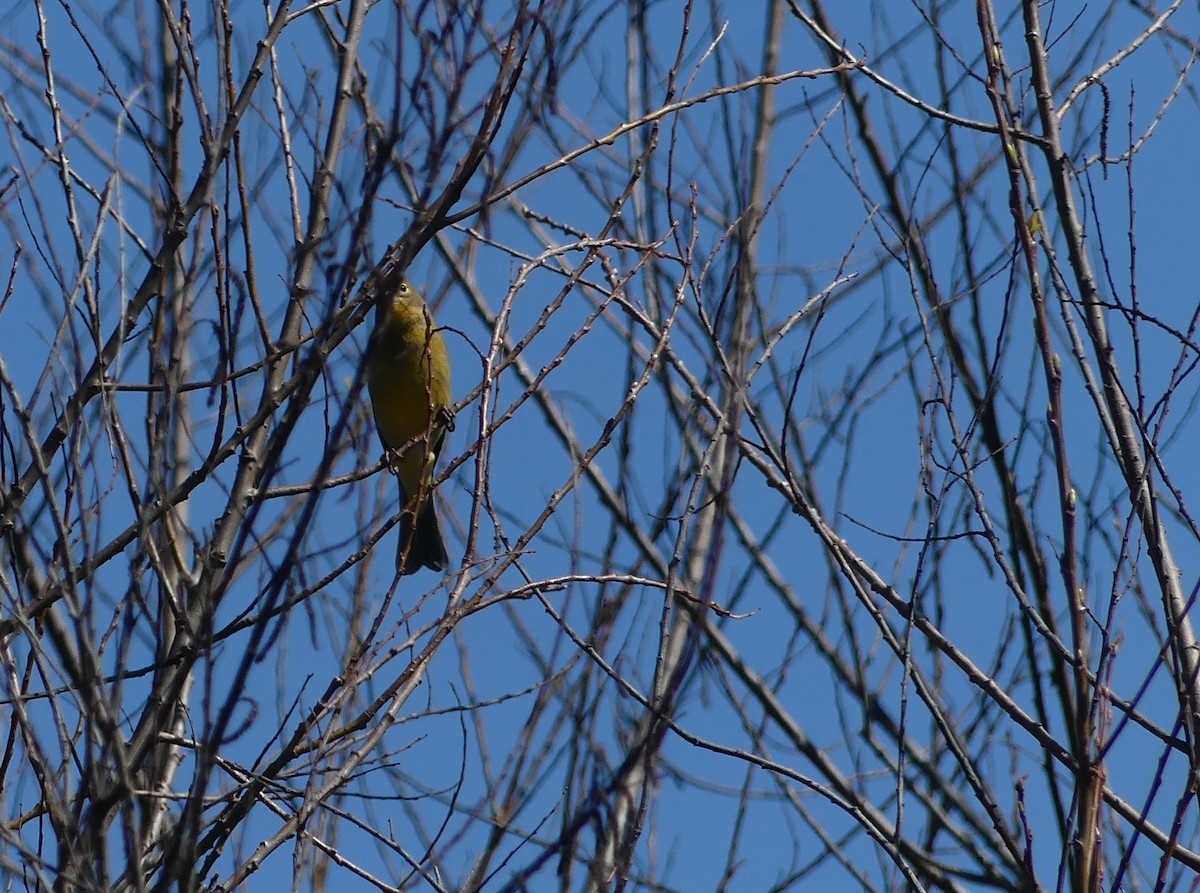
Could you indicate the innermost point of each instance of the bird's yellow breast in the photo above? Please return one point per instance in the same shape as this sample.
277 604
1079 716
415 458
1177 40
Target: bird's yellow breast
408 378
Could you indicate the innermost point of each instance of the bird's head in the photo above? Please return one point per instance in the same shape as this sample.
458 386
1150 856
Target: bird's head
406 295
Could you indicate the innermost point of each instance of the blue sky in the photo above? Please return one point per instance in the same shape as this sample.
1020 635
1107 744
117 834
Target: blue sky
865 353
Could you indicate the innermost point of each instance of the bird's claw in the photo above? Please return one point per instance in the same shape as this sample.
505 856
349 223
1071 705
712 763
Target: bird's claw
389 459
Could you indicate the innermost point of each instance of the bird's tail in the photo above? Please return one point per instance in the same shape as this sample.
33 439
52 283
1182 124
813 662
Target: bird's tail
421 544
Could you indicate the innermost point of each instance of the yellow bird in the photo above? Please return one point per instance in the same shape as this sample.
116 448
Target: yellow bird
408 378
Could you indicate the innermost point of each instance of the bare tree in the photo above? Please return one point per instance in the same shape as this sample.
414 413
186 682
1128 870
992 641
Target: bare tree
818 495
